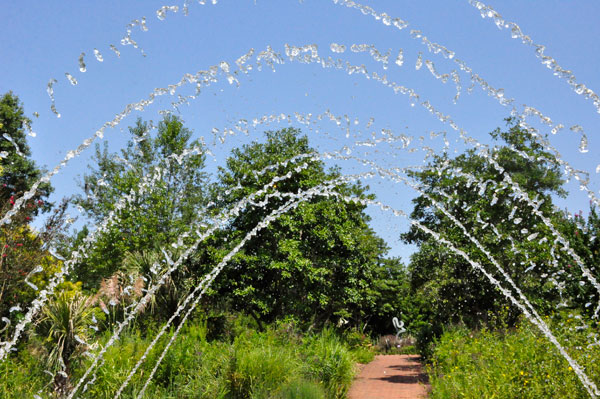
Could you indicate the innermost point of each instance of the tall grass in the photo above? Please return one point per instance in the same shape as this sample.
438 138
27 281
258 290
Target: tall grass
280 362
515 363
330 362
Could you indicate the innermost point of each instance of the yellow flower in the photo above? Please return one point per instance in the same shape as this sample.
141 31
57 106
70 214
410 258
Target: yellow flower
570 368
522 372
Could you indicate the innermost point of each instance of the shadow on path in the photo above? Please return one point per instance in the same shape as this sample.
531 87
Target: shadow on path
391 377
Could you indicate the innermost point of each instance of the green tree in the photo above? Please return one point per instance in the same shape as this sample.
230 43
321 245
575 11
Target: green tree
156 217
19 171
22 250
316 262
491 212
394 297
582 234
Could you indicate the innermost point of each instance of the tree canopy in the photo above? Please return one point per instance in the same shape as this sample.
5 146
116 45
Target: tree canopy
317 261
25 262
473 188
18 171
164 176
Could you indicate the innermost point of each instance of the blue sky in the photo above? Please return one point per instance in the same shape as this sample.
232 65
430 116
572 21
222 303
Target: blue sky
43 40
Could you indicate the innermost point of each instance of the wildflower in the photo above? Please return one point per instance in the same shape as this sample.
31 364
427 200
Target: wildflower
521 372
570 368
5 245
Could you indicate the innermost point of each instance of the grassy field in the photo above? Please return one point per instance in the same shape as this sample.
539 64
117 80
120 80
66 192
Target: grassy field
513 363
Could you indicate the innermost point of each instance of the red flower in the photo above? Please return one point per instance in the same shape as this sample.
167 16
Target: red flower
19 245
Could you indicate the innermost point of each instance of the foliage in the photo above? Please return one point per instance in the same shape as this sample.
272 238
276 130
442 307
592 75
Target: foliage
395 297
331 362
22 374
581 234
26 262
301 389
279 362
64 326
316 262
515 363
157 216
19 172
491 212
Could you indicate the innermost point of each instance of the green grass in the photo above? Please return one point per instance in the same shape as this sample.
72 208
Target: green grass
516 363
302 389
279 362
22 375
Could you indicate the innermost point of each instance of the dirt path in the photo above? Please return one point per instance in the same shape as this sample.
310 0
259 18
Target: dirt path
391 377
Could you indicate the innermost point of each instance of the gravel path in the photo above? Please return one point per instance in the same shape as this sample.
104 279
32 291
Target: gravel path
391 377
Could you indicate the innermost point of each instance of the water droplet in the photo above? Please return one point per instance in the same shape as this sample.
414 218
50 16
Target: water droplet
71 79
532 236
116 50
400 58
82 63
337 48
583 144
419 63
98 55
